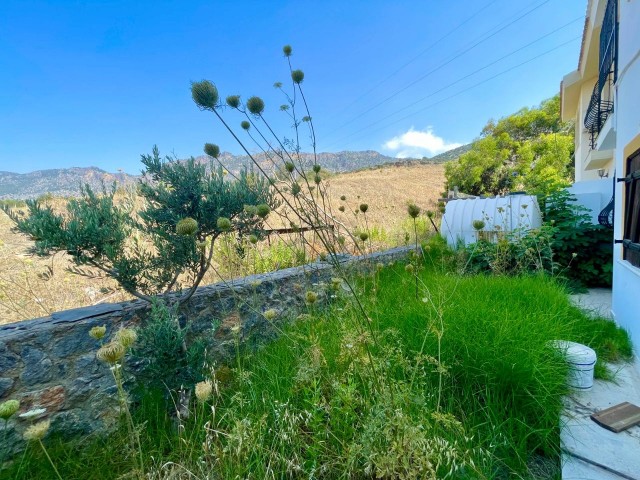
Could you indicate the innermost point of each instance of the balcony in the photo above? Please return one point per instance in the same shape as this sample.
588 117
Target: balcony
601 103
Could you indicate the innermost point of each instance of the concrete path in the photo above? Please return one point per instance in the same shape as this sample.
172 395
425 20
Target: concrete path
591 452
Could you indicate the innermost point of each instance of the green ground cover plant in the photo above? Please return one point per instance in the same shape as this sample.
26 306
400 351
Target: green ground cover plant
458 383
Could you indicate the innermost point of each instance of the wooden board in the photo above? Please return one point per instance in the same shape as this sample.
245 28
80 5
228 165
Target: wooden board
619 417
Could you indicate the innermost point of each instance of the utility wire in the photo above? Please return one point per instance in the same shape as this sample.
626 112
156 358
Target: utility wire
416 57
413 103
471 87
458 55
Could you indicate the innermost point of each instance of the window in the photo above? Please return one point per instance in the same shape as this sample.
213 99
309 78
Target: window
631 241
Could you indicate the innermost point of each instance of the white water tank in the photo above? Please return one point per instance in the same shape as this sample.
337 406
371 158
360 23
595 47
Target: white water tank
499 214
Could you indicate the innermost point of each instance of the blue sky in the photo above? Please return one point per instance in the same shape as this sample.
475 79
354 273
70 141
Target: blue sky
97 83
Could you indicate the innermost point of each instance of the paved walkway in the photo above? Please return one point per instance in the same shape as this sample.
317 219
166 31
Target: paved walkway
591 452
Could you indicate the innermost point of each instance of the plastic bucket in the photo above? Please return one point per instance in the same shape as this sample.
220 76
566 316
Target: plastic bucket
581 360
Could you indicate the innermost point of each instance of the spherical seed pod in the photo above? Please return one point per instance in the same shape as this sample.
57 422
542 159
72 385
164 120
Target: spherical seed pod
250 210
364 207
317 178
311 297
263 210
316 168
245 125
111 352
343 198
204 94
478 225
233 101
287 50
224 224
363 236
270 314
430 213
409 268
295 188
212 150
289 167
186 226
8 409
255 105
253 239
297 76
98 332
126 337
413 210
37 432
341 208
204 391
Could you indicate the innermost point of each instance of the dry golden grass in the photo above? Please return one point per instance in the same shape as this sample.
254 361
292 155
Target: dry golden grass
31 286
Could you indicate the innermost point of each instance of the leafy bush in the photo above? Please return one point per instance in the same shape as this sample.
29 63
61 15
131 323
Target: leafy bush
585 249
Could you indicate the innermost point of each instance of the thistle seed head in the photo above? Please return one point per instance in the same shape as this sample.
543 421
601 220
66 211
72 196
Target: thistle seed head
37 431
212 150
316 168
289 167
295 188
204 391
111 353
270 314
250 210
255 105
413 210
8 409
363 236
341 208
233 101
263 210
478 225
245 125
205 94
317 178
253 239
187 226
311 297
126 337
343 198
297 76
364 207
287 50
224 224
98 332
430 213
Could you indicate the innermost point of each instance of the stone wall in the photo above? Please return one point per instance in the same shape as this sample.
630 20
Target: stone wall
50 362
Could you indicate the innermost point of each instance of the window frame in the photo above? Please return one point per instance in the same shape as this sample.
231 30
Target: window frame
631 238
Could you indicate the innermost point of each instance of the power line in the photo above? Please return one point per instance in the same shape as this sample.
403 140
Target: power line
413 103
416 57
472 86
466 50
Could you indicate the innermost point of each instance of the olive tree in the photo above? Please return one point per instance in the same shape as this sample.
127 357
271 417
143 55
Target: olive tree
166 245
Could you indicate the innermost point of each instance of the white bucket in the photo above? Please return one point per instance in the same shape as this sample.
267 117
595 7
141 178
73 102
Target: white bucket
581 360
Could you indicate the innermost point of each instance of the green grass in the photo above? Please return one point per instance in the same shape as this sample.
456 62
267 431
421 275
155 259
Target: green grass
460 380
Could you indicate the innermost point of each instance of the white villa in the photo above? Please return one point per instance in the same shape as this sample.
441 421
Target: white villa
603 97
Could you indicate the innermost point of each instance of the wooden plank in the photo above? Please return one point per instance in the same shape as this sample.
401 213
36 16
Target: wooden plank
618 418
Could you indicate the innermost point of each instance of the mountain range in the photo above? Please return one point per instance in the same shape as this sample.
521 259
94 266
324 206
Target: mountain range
66 182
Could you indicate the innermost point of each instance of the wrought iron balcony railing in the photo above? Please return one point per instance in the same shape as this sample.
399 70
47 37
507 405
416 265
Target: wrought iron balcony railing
601 103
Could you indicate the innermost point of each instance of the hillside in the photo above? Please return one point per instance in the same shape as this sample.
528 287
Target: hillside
66 182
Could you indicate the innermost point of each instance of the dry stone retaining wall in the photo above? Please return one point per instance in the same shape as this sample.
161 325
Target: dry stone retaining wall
50 362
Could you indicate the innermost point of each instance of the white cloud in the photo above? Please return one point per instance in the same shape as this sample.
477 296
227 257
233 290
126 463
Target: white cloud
418 144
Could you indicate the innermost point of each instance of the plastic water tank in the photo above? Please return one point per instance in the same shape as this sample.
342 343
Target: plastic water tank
581 360
500 214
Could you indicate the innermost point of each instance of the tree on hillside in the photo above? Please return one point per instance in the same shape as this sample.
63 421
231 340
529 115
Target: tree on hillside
530 150
168 244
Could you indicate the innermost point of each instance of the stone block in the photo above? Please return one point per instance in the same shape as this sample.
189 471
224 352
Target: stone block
6 384
38 368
